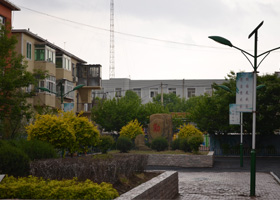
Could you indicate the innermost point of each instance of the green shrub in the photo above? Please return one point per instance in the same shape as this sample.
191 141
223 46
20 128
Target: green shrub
36 149
13 161
195 142
184 145
38 188
175 144
124 144
106 143
159 144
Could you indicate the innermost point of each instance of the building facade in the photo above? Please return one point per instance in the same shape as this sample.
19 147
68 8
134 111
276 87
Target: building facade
6 9
63 74
147 89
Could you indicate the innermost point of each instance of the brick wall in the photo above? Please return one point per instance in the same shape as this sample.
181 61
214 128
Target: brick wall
181 160
164 186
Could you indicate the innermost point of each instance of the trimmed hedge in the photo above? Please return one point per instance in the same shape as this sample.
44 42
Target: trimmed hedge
106 142
13 161
124 144
38 188
104 169
159 144
35 149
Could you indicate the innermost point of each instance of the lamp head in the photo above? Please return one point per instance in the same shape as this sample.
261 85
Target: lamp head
44 89
78 86
221 40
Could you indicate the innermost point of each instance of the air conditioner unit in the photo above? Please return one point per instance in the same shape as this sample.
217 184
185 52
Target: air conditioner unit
76 79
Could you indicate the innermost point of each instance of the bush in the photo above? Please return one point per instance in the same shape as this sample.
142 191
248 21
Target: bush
184 145
106 143
64 131
35 149
124 144
175 144
38 188
132 129
195 142
159 144
187 131
98 168
13 161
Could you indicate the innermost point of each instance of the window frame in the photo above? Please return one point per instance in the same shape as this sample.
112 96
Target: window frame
153 91
191 92
118 92
28 50
138 91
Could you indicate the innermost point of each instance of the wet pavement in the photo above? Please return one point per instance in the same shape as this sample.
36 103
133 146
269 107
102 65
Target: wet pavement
226 185
227 180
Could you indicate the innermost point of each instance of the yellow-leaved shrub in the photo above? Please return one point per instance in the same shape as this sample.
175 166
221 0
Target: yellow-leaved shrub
64 131
132 129
187 131
37 188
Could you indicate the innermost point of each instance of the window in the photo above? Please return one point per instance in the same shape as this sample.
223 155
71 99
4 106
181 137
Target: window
118 92
94 72
69 86
63 61
28 50
208 91
191 92
2 20
48 83
172 90
137 91
44 53
153 92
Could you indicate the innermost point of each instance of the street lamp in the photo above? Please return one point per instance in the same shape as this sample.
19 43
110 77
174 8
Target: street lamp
255 66
61 92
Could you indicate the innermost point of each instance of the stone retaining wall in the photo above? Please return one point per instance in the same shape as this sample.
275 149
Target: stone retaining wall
181 160
164 186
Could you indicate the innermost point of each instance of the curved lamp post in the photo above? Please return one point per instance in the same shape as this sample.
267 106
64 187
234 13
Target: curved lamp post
255 66
61 92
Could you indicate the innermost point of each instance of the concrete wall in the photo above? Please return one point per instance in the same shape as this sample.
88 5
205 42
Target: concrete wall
164 186
181 160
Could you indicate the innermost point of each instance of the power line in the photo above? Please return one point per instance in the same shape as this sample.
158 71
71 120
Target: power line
122 33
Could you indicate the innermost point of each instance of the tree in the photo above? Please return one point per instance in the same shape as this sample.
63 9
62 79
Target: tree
113 114
172 102
211 114
64 131
13 79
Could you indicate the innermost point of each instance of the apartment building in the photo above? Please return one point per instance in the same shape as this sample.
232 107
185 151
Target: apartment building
6 9
65 71
147 89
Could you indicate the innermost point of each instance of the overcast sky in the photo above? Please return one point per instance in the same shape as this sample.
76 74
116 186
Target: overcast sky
158 39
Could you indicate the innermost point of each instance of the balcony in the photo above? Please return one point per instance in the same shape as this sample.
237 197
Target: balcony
89 75
45 66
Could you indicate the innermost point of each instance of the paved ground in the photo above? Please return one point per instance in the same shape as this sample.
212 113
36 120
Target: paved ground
227 180
226 185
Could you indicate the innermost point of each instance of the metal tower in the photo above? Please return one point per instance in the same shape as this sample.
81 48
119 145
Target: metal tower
112 45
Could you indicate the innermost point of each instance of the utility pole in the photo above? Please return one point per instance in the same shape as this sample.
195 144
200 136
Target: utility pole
161 94
112 42
183 87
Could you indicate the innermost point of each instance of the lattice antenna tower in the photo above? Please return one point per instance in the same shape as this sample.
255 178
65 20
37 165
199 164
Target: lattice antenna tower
112 42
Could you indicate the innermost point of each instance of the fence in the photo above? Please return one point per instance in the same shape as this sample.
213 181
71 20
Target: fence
229 145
